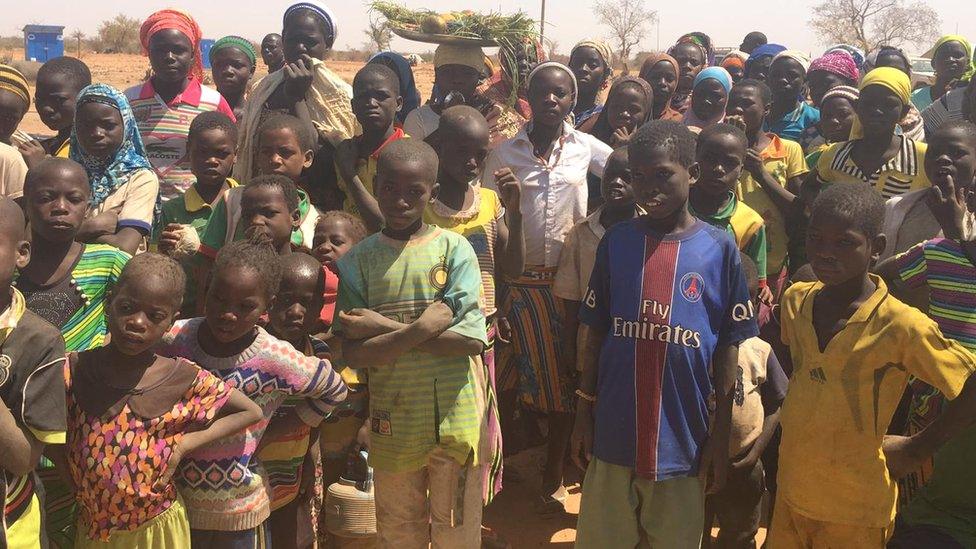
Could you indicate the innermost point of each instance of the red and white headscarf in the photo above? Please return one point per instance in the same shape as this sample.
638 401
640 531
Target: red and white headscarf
180 21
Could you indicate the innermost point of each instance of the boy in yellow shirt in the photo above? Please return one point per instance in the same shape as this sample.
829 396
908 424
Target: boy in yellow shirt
853 347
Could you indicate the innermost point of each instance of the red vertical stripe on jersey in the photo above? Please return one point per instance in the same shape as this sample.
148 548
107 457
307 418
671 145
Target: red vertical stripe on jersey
650 355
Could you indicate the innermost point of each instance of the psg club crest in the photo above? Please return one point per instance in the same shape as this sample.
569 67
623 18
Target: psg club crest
5 364
692 286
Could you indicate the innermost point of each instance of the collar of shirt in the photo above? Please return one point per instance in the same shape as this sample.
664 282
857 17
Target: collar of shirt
522 139
10 317
193 202
905 161
776 150
722 216
861 315
593 222
397 134
190 96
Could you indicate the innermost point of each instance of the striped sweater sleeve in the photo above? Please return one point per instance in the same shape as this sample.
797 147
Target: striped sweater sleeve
309 377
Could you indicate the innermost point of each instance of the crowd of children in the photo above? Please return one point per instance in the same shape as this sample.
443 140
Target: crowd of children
717 279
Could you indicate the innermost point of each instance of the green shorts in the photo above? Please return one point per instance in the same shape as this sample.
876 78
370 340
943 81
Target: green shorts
620 509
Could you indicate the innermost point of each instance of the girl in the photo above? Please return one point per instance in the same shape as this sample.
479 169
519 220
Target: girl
790 117
661 71
913 125
233 61
709 98
875 154
691 57
836 119
166 104
630 103
952 59
507 86
592 63
124 188
551 159
735 63
133 415
304 87
757 65
408 87
959 104
832 69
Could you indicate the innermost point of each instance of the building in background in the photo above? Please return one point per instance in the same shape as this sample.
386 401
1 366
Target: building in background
43 42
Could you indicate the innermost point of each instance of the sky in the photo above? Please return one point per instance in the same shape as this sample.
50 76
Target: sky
567 21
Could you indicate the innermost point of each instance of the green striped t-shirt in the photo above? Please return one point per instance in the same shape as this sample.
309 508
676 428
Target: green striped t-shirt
422 401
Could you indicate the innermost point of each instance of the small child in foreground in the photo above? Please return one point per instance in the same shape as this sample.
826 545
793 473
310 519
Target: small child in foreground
335 234
409 310
854 347
32 408
665 311
134 416
223 487
760 386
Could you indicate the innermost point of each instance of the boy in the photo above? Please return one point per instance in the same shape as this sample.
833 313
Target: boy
940 512
335 234
760 386
579 249
790 117
271 52
720 152
774 168
58 82
167 103
666 305
32 406
183 221
375 102
854 347
409 311
14 100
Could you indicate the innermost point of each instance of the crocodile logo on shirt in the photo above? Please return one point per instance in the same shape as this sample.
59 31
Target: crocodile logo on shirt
818 375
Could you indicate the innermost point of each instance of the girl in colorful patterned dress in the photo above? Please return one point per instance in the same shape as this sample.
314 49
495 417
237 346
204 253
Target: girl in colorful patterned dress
133 415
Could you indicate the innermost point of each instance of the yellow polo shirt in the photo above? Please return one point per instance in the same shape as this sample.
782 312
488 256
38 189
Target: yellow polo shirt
841 400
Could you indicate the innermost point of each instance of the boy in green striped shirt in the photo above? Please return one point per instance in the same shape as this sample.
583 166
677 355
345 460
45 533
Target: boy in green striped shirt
409 311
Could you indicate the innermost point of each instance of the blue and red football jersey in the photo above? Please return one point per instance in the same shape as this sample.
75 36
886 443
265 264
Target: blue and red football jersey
666 302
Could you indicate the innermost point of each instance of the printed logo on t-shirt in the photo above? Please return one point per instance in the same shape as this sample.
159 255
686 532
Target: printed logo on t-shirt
438 274
743 311
818 375
692 287
380 423
5 364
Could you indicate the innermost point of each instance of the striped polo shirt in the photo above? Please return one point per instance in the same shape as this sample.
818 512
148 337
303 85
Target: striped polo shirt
902 173
164 128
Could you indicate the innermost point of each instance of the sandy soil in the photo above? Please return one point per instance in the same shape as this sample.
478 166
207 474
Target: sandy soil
123 71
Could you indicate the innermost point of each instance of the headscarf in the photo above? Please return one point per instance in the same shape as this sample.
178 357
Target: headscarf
322 11
13 81
965 44
795 55
242 44
538 68
766 50
891 78
721 76
735 58
601 48
656 58
847 92
703 41
838 62
176 20
107 175
856 53
468 56
602 129
408 87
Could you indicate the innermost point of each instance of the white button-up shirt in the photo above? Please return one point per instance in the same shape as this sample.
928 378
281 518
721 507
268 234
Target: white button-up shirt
553 189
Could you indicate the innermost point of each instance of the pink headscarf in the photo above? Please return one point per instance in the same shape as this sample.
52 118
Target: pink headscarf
180 21
838 62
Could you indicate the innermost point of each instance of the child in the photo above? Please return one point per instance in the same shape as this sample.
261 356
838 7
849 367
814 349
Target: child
335 234
579 250
458 69
492 223
224 491
875 154
211 145
952 61
32 409
408 86
774 169
551 159
285 451
709 97
854 347
757 65
271 52
735 63
720 152
134 416
14 102
832 69
661 71
307 90
409 311
592 64
375 102
630 103
124 188
760 387
59 81
233 61
666 308
836 119
166 103
790 117
692 58
940 510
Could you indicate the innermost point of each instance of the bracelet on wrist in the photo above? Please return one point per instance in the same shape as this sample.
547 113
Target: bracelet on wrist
586 396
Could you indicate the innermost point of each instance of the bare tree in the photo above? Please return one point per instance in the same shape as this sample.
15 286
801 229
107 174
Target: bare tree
872 23
77 36
628 21
379 35
120 35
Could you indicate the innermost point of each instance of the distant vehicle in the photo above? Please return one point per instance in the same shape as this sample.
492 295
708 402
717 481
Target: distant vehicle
922 72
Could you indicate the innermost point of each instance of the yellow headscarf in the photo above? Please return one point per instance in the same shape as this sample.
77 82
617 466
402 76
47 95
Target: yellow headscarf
469 56
965 44
891 78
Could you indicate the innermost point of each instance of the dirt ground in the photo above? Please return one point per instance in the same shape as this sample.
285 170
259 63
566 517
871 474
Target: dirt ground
123 71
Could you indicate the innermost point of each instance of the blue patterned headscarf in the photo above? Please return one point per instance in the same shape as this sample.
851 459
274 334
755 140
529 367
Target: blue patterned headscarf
107 175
